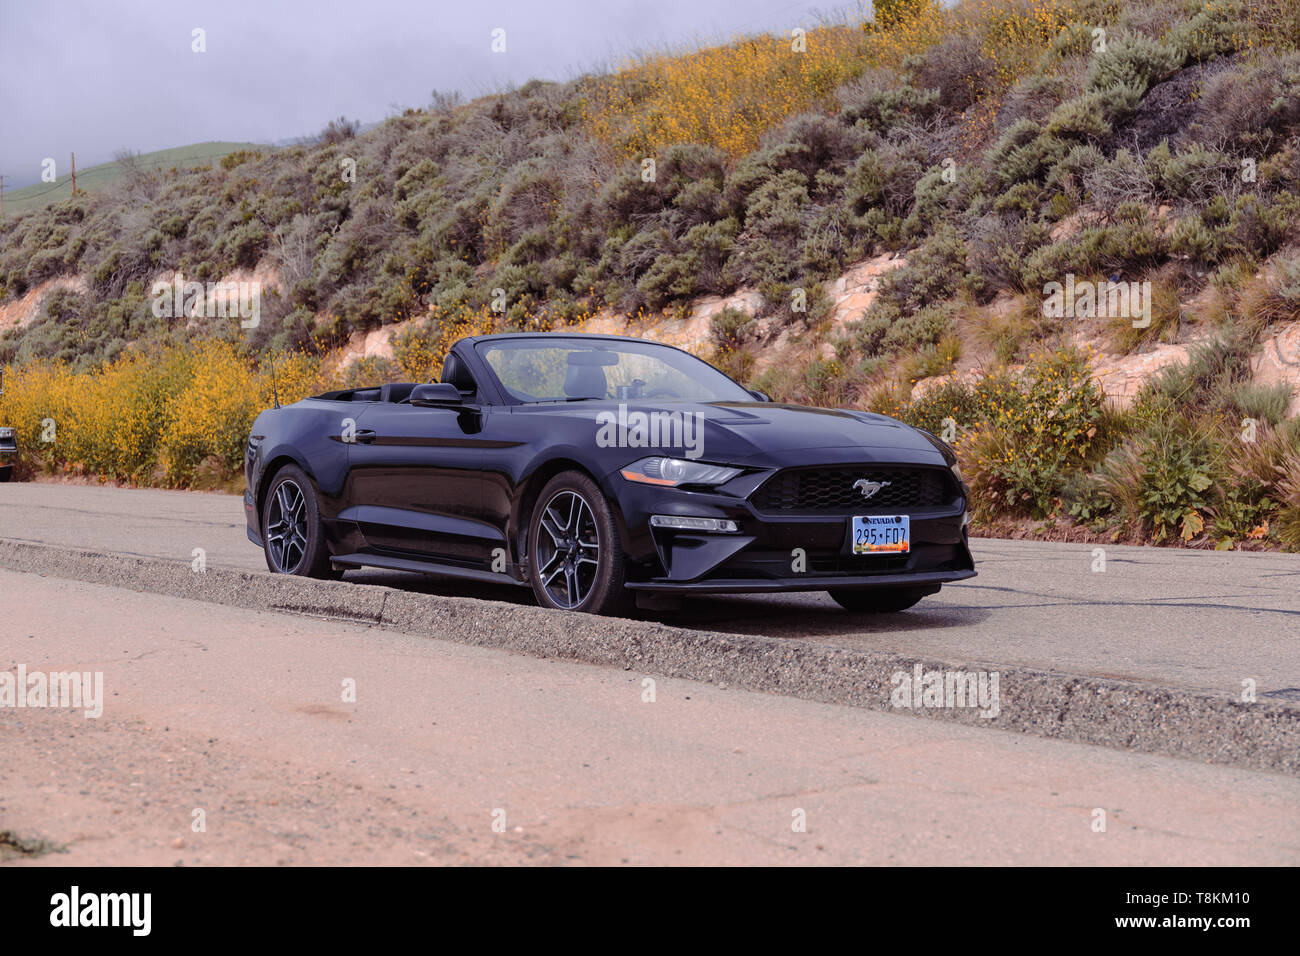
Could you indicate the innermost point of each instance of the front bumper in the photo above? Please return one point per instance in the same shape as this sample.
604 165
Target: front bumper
779 585
254 524
774 553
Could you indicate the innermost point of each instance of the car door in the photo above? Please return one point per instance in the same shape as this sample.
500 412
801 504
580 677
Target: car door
415 482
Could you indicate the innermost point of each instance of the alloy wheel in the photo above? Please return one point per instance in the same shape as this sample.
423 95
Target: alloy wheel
286 527
568 549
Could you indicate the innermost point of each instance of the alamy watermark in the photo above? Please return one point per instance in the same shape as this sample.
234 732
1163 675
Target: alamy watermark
71 689
128 910
1105 299
934 688
660 430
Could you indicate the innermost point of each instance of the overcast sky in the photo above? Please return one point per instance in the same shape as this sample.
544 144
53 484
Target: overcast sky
98 76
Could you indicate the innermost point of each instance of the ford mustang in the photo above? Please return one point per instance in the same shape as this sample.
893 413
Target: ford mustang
605 472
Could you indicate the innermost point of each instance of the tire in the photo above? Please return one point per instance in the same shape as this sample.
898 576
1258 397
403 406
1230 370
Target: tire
878 601
296 546
575 554
6 472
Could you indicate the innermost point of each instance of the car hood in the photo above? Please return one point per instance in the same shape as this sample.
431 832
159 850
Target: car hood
760 433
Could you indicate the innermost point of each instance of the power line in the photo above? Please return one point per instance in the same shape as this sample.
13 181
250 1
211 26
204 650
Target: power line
57 185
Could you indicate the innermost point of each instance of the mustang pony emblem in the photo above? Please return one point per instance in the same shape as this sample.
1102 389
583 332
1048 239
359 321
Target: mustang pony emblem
869 489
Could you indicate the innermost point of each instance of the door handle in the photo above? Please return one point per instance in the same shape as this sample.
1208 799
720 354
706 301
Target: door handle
362 436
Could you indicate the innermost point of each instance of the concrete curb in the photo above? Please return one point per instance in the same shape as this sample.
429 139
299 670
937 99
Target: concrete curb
1123 714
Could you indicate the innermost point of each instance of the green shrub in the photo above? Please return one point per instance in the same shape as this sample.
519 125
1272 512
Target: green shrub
1162 479
1024 154
917 331
1083 118
882 110
1214 30
1288 515
1132 61
937 358
933 273
1211 370
1251 108
1128 246
1023 434
1202 244
730 328
1262 403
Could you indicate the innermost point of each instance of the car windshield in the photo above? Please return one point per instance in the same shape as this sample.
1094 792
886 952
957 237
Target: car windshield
558 369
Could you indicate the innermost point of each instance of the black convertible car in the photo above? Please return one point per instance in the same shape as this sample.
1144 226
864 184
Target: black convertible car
602 470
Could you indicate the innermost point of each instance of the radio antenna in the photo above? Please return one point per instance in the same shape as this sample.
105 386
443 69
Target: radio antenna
275 391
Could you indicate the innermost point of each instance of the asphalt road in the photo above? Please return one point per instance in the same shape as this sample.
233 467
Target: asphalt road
240 714
1186 619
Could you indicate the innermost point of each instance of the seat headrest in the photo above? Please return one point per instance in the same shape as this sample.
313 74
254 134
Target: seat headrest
455 373
396 391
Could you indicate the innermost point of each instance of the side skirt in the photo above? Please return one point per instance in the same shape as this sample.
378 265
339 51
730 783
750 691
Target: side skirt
390 563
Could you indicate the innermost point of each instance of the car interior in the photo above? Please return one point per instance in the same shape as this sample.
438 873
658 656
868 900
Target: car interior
454 372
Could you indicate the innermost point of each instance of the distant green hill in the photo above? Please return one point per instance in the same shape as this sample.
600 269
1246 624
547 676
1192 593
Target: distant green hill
93 178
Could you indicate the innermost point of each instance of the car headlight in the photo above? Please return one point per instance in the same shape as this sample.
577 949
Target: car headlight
672 472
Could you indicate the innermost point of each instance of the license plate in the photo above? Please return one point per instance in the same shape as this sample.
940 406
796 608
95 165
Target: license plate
881 534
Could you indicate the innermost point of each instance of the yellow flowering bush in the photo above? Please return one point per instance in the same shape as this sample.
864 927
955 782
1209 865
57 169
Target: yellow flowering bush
730 95
726 96
152 416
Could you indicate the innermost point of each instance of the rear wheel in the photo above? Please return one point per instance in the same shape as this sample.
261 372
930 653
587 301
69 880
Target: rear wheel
878 601
575 553
293 537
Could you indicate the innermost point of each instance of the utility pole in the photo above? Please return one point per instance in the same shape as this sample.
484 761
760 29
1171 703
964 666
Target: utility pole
74 174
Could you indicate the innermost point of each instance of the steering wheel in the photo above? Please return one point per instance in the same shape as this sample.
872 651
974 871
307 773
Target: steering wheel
662 393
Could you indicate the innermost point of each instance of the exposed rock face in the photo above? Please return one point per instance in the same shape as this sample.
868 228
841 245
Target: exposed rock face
377 343
1121 377
855 291
1279 361
23 311
851 296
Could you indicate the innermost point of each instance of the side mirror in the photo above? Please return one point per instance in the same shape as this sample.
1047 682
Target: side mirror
761 396
434 396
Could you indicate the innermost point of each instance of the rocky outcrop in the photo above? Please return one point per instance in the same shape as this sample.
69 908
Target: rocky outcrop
23 311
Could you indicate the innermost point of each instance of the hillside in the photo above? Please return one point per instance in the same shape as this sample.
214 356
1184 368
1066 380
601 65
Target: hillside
881 215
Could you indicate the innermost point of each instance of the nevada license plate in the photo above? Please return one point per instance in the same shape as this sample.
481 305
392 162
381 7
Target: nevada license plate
881 534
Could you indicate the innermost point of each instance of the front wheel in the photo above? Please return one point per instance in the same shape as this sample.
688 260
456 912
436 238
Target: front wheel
575 553
293 537
878 601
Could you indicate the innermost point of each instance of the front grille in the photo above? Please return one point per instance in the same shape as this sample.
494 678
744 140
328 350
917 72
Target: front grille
820 491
